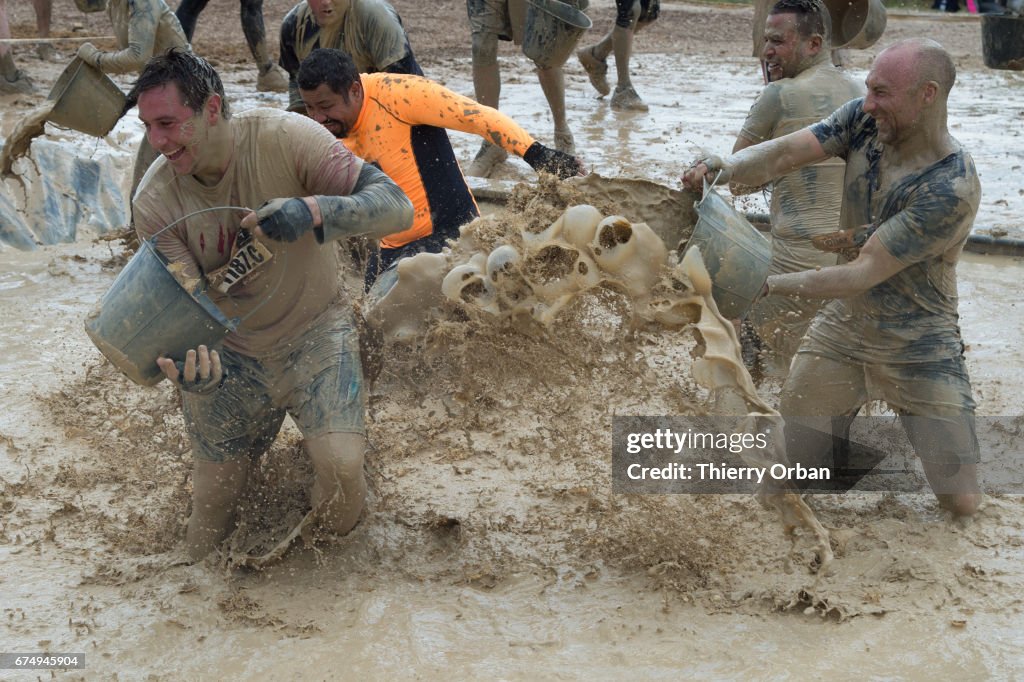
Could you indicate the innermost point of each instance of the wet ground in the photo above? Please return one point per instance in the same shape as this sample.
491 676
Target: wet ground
495 548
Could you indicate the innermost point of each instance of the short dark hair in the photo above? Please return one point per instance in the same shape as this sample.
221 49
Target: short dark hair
194 76
324 65
812 17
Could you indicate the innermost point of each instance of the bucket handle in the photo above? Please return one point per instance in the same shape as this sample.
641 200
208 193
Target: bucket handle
277 285
708 186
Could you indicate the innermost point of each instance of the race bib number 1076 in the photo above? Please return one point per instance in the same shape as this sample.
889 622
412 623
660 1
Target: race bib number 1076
247 256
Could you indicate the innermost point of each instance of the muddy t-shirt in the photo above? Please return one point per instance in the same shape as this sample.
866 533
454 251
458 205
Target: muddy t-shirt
276 154
143 28
923 221
804 203
371 33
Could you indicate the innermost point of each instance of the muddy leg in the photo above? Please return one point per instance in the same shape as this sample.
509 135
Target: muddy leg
552 82
486 72
959 493
188 13
339 486
216 487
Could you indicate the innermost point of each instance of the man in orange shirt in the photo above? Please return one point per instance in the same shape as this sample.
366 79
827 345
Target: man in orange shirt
398 122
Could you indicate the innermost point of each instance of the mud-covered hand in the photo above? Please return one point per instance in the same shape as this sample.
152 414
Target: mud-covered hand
713 168
90 54
200 373
284 220
845 242
552 161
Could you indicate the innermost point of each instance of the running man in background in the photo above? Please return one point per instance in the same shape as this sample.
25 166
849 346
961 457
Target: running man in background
399 123
489 22
369 31
269 76
630 17
295 350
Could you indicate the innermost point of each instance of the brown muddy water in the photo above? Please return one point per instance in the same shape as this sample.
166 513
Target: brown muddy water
494 548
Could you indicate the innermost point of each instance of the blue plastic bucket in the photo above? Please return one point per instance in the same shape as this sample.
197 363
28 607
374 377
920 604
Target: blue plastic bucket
148 313
736 255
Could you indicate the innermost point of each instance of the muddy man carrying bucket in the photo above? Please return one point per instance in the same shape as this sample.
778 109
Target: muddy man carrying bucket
84 99
148 313
736 255
552 30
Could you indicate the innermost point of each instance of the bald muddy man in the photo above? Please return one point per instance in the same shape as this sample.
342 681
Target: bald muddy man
890 330
805 87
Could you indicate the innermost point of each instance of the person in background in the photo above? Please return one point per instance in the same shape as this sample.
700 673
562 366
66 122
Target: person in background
13 81
804 88
269 76
630 17
44 12
369 31
399 123
143 28
489 22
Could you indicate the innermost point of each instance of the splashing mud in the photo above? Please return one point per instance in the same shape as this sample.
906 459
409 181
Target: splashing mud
31 126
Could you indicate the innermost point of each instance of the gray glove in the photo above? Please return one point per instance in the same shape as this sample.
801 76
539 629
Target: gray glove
90 54
376 208
284 220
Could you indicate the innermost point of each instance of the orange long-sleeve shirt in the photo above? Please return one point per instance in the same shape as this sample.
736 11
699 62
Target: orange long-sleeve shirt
401 128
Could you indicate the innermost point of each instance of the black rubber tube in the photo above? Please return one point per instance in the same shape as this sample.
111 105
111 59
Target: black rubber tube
976 243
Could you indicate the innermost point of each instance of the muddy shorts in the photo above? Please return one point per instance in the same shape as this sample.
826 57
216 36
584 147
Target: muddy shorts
933 400
649 11
318 381
496 17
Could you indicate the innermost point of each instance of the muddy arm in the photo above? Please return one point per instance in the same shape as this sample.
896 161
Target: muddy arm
376 208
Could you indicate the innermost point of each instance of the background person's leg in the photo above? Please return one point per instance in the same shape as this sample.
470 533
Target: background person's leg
44 11
552 82
11 79
188 13
625 97
270 77
487 86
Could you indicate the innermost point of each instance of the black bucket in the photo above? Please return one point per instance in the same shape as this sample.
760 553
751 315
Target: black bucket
1002 41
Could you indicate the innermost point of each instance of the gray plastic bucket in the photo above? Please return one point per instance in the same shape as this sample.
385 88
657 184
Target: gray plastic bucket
856 24
147 313
552 30
84 99
736 255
